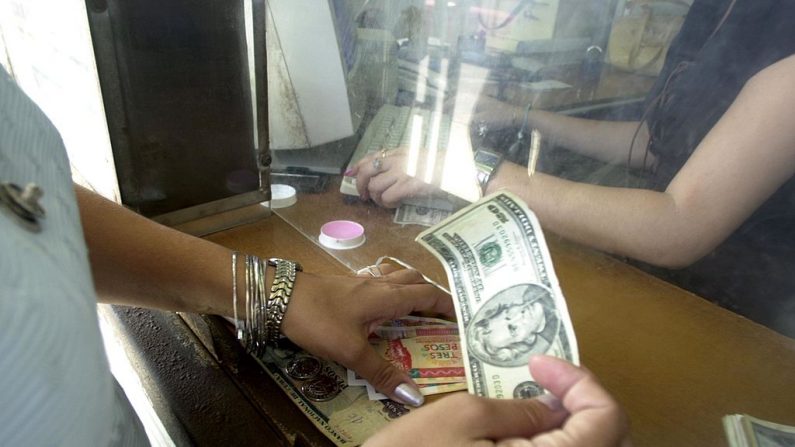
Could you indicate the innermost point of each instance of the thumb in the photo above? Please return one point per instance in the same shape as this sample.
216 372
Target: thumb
522 418
388 379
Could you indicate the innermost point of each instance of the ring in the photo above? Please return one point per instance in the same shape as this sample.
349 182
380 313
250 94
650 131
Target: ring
378 163
372 270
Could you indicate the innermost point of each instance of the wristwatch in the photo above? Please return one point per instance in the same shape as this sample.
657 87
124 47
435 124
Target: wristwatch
486 162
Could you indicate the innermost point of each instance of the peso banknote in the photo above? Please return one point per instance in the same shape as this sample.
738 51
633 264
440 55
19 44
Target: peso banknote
507 298
344 413
343 405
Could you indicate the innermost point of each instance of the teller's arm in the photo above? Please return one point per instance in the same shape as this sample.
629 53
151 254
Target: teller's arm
744 159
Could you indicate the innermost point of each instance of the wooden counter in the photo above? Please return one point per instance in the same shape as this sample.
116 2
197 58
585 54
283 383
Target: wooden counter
675 361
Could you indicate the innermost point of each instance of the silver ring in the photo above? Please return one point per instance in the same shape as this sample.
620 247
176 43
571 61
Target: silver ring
378 163
372 270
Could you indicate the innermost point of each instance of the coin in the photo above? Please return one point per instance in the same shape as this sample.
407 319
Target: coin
527 390
394 409
321 388
303 368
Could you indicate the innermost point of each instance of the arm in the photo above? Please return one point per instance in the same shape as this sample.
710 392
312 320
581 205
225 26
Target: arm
747 156
607 141
578 412
138 262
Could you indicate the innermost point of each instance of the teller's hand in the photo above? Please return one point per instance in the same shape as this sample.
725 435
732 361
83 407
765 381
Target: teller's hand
496 115
382 177
585 415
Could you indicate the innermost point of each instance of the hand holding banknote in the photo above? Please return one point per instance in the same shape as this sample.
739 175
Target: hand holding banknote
582 413
335 322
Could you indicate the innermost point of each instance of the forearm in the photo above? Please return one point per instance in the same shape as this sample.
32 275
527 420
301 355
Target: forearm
138 262
641 224
608 141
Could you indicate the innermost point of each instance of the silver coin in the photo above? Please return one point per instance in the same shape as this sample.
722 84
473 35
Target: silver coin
303 368
394 409
527 390
321 389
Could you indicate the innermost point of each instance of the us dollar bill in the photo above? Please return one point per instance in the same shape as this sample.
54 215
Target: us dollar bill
743 430
419 215
507 298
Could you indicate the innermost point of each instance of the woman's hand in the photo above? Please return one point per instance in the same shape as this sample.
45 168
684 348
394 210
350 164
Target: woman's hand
579 412
331 316
383 177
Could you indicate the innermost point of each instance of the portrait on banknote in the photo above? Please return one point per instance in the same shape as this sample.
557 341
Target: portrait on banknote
516 323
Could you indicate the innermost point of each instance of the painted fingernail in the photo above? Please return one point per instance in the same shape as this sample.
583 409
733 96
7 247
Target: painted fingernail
409 395
551 402
348 172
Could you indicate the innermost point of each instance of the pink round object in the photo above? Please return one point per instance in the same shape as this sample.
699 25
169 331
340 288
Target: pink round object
341 234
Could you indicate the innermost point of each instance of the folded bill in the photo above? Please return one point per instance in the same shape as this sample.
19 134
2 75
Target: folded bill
508 302
743 430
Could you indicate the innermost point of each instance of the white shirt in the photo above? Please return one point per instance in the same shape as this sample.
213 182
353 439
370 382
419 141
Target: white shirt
55 384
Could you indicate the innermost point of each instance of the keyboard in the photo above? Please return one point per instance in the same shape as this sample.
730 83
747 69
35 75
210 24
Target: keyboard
392 127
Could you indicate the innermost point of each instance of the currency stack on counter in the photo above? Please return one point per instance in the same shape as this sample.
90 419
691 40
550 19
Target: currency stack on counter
428 349
343 405
743 430
509 306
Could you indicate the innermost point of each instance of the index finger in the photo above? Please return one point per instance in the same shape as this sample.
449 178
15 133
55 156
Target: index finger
407 298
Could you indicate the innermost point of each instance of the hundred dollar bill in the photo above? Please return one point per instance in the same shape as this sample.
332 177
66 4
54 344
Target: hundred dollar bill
743 430
507 298
419 215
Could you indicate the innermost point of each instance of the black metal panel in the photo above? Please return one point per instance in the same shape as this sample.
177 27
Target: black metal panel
175 81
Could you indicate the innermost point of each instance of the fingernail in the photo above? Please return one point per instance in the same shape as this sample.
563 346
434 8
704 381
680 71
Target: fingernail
409 395
551 402
348 172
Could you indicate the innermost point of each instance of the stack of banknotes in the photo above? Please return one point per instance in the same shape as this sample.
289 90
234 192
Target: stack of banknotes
509 307
743 430
428 349
343 405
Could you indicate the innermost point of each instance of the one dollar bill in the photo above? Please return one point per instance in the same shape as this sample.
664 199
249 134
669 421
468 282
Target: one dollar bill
507 298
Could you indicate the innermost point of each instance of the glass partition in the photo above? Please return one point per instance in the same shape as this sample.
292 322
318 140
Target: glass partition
395 114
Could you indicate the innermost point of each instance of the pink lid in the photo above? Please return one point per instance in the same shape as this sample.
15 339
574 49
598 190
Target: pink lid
341 234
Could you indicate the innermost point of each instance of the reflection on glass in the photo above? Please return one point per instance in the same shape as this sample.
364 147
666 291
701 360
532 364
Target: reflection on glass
651 130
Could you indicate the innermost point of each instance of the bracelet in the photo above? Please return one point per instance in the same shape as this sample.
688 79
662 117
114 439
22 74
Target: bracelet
279 298
263 313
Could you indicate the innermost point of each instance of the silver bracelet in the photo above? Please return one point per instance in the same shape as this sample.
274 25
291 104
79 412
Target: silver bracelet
279 298
264 310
